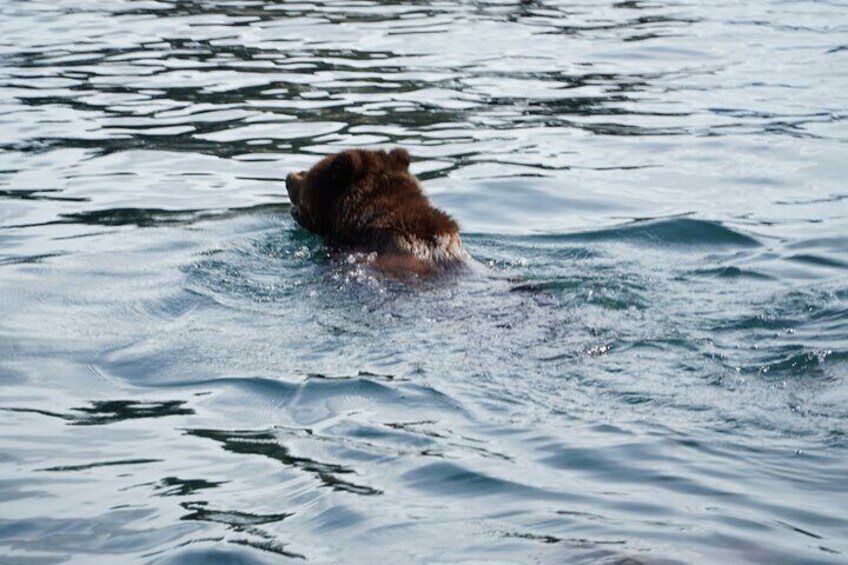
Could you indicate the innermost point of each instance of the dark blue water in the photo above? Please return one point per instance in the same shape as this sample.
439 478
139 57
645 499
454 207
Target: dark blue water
654 367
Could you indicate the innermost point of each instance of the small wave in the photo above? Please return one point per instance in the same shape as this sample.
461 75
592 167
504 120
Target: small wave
611 293
818 261
797 364
730 272
676 232
452 480
310 399
188 556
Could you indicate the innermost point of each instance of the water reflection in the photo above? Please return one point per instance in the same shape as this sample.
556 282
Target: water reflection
183 91
243 523
102 412
45 194
174 486
267 445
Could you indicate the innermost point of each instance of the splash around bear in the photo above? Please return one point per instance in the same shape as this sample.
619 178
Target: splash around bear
369 202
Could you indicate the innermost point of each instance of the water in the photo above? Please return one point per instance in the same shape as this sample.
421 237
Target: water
653 368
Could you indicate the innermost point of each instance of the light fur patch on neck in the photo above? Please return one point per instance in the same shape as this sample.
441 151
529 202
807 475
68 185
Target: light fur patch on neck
446 248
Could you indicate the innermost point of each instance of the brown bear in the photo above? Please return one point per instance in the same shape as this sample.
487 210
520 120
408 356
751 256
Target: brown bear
368 201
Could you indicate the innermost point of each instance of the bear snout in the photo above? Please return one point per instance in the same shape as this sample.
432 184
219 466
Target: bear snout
293 182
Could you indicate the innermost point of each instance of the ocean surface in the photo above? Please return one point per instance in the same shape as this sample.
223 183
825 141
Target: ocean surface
652 368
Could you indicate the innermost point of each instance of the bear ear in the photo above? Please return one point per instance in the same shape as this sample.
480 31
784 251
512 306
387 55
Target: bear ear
346 167
400 158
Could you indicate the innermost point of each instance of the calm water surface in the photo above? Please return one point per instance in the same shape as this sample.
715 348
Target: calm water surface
655 366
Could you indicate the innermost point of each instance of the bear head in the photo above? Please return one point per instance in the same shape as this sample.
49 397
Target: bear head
318 195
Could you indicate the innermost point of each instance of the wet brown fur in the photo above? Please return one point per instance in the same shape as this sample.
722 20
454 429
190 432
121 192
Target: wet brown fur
368 201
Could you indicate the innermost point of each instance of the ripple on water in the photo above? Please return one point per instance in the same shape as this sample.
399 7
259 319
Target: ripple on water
652 368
